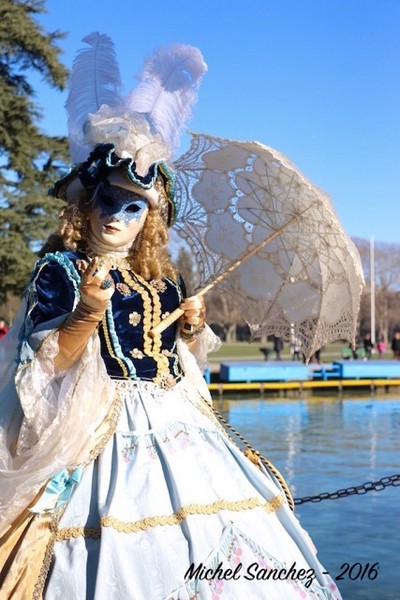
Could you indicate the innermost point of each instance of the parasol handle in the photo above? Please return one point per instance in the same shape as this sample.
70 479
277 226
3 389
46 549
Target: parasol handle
162 325
178 312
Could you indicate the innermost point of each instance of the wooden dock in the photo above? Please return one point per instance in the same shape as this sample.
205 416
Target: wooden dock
293 376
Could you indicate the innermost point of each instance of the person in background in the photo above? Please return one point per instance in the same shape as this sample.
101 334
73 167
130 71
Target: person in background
381 347
395 345
3 328
368 346
278 347
295 350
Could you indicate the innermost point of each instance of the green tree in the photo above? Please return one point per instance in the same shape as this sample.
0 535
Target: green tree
29 160
387 286
184 264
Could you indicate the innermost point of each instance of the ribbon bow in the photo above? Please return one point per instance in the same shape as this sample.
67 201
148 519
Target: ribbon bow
58 491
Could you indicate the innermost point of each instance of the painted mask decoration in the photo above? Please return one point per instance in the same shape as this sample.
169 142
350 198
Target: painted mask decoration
118 204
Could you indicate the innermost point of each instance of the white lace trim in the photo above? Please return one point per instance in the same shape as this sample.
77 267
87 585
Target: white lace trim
50 421
194 361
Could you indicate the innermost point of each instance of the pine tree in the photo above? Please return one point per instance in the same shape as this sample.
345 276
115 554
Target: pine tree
184 264
30 161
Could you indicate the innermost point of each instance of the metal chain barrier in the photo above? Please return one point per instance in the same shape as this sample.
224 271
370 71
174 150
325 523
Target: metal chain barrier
369 486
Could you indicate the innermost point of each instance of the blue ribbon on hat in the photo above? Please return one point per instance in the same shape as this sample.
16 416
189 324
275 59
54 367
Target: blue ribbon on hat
61 486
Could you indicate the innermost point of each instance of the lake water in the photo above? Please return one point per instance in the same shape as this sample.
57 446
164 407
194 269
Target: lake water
325 444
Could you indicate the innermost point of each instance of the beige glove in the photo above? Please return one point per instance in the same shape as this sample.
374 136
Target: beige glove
193 320
96 290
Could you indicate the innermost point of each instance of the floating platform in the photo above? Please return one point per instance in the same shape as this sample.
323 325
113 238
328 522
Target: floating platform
298 386
361 369
263 371
285 376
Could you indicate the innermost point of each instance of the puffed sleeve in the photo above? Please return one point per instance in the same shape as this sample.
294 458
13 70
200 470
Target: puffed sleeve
51 294
54 419
54 294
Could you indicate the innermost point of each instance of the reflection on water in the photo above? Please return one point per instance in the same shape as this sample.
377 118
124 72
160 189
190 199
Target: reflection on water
325 444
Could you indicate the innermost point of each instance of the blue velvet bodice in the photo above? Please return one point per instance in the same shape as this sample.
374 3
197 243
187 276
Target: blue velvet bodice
136 306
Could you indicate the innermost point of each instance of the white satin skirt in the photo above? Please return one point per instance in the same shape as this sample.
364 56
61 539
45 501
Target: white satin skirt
172 510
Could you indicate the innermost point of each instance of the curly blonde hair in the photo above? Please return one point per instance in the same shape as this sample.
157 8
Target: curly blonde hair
148 256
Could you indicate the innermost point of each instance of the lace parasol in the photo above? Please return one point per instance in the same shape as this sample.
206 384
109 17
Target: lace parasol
270 239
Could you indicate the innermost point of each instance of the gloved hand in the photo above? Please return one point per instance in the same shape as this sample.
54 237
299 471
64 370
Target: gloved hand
193 320
97 286
96 290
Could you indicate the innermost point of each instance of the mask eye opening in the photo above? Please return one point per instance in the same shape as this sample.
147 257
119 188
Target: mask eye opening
133 208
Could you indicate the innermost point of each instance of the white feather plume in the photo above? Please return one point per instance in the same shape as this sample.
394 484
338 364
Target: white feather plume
168 90
95 80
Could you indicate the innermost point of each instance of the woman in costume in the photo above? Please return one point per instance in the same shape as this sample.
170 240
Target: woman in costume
133 489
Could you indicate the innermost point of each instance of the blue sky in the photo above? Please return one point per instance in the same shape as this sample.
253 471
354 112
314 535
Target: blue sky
317 79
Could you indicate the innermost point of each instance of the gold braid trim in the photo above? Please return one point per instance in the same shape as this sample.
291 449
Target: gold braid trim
106 430
138 287
44 571
68 533
151 317
110 348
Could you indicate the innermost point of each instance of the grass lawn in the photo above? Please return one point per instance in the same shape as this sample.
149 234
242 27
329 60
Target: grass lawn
251 351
